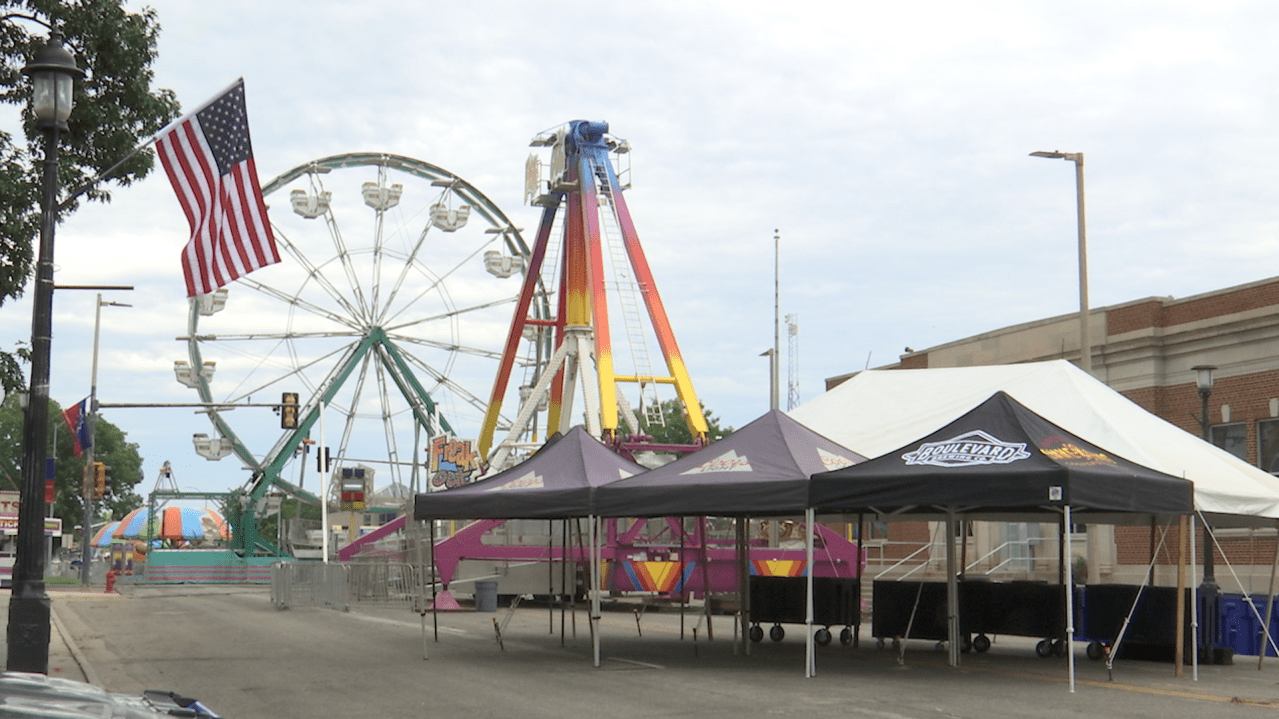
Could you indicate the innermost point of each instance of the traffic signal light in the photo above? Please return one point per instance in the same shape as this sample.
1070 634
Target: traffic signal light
99 480
289 410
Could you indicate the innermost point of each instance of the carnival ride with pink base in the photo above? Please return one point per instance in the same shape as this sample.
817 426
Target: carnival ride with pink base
585 220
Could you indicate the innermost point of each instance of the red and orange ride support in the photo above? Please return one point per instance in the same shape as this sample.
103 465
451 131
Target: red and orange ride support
584 186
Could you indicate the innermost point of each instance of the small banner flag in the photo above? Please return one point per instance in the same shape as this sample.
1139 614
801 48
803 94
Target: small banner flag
77 418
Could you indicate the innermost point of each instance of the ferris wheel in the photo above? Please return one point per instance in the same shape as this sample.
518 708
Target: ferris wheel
390 307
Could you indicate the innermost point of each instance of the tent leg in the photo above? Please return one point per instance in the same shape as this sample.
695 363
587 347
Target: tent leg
683 591
1070 603
594 524
952 589
1194 603
1179 631
1270 607
810 668
435 610
743 584
706 577
550 573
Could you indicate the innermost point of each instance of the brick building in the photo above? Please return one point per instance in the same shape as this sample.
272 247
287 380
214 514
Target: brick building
1146 349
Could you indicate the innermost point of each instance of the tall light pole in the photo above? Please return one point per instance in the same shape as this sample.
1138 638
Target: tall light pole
774 382
86 490
1208 588
53 73
1085 342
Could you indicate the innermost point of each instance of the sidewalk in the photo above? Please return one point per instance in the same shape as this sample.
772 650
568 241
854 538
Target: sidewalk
66 661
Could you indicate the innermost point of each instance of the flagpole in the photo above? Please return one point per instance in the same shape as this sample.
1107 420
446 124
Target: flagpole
98 178
105 174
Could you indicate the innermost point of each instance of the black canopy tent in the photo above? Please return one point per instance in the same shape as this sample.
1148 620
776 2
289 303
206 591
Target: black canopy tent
557 482
1001 461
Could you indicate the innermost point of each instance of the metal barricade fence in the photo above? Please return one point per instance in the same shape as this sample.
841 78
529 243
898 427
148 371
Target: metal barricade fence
309 585
387 583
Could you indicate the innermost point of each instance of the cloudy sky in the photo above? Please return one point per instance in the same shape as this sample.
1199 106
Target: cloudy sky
888 142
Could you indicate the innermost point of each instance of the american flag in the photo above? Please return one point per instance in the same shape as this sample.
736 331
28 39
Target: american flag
209 160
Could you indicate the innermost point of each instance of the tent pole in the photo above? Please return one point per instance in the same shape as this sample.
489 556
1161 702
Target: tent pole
435 610
683 593
952 589
706 575
1194 602
861 558
550 573
1070 605
810 668
1179 651
1270 605
743 582
564 552
593 523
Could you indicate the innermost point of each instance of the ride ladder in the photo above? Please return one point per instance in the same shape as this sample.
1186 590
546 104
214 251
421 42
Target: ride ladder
628 301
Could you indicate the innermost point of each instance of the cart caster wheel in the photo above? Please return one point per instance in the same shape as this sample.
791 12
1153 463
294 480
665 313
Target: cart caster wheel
1096 650
897 644
822 637
981 643
1059 648
879 642
757 633
776 633
846 637
1043 649
939 647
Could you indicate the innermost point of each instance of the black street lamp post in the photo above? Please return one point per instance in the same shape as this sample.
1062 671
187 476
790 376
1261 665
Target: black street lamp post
53 73
1208 589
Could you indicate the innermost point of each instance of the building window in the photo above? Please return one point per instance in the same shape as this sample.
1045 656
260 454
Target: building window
1268 445
1233 438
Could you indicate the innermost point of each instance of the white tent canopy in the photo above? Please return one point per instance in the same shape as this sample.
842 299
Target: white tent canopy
877 411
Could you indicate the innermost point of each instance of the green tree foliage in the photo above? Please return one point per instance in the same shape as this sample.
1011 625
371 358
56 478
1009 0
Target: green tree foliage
124 464
674 429
290 508
115 108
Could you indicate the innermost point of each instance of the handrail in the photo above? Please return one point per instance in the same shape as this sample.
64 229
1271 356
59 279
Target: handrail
902 561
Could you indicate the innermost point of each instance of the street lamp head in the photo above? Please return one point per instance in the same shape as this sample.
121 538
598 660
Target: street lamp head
1076 157
53 73
1203 378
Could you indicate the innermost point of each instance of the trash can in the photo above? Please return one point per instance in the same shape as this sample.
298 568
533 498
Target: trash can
486 596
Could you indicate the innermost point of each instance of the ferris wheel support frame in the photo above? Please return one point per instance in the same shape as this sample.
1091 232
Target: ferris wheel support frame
424 413
392 362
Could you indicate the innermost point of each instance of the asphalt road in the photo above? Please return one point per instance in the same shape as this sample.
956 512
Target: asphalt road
229 647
